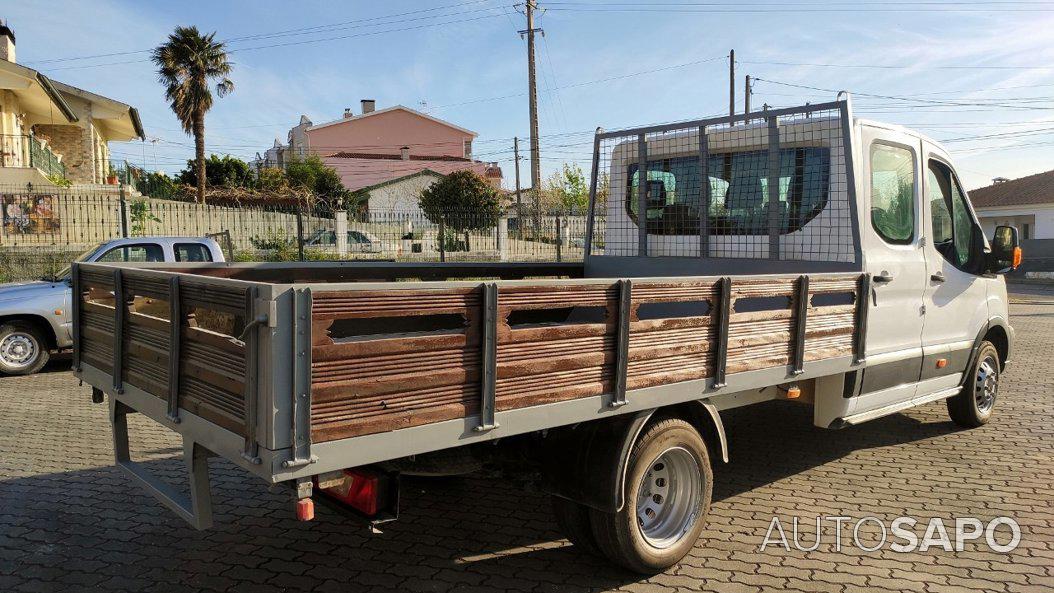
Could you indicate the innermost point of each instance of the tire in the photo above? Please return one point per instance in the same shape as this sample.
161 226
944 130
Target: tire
23 348
973 406
672 507
572 519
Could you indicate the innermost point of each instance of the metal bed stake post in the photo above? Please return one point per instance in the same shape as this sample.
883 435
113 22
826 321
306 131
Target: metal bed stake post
120 309
800 322
723 313
489 360
625 303
252 447
175 344
300 425
863 303
75 315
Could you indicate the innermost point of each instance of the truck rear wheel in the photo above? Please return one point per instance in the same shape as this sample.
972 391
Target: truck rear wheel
668 488
972 407
23 349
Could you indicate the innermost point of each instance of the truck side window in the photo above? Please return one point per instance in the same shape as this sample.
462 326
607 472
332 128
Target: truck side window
192 252
143 252
893 193
953 226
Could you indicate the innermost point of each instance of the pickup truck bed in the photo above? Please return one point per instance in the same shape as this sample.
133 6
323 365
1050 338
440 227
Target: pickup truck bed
346 366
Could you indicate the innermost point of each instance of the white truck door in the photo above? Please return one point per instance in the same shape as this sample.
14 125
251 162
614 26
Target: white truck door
890 241
956 291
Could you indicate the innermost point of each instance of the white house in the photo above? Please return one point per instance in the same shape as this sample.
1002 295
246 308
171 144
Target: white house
1026 203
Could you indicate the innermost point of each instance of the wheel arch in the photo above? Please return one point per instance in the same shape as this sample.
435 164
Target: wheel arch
38 322
587 462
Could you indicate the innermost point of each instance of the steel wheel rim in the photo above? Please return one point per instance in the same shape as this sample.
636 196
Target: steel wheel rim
987 387
668 497
18 350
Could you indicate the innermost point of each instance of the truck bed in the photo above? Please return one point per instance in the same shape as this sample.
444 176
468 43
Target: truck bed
294 369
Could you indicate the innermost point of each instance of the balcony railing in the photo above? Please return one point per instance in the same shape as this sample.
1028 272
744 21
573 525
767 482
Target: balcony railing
22 150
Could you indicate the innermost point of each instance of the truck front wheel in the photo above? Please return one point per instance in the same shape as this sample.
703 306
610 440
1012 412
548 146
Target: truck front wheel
668 488
972 407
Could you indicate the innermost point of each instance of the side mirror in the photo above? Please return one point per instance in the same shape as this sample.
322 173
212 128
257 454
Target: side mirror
1006 250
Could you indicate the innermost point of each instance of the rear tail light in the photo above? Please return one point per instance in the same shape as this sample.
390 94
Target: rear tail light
362 489
1018 256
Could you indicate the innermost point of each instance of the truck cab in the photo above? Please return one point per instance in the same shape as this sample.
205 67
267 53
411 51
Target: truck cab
35 316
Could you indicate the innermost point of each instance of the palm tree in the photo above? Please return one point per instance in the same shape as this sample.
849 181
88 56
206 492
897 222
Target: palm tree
186 65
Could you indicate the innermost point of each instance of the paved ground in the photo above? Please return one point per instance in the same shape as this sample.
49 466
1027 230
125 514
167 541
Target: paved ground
69 521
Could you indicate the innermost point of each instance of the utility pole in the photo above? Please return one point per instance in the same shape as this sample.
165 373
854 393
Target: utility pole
532 92
519 203
748 90
732 83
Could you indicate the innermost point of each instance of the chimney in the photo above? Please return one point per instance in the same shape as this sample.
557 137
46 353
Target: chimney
7 42
348 113
368 105
404 152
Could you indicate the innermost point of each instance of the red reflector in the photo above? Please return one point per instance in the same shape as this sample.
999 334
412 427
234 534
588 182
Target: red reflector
305 509
359 488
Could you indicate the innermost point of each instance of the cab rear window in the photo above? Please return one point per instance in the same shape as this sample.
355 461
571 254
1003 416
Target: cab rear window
739 193
192 252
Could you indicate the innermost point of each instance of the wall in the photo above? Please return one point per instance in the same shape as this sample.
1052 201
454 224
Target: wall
386 133
402 195
1041 217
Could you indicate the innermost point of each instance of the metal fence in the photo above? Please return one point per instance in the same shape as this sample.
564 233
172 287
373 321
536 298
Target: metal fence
43 230
769 185
22 150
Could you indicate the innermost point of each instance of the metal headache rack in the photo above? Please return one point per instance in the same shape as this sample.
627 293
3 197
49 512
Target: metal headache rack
771 186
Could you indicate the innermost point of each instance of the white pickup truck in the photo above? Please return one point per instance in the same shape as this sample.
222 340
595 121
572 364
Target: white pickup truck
35 316
796 254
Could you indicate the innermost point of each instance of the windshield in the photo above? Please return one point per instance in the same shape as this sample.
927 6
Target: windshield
68 270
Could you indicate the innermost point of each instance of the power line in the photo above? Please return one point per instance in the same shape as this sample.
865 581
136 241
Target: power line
305 42
281 33
914 100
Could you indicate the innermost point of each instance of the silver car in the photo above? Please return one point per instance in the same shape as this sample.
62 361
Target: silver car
35 316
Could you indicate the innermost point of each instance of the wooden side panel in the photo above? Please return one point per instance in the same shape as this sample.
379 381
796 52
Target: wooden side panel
211 365
363 382
554 342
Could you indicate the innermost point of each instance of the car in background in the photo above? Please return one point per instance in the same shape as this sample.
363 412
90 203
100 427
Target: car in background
35 317
358 241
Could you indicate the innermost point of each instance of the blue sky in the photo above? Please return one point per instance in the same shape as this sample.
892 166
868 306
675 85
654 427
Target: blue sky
967 68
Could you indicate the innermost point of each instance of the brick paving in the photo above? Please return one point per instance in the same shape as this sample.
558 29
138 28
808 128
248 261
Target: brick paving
69 521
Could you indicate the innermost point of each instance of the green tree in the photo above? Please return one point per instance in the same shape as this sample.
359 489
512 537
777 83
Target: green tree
312 175
141 216
568 189
463 201
187 64
226 171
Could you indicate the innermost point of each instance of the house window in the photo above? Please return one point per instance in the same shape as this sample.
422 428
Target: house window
1026 231
468 149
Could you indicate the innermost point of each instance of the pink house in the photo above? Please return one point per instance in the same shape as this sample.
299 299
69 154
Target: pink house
379 146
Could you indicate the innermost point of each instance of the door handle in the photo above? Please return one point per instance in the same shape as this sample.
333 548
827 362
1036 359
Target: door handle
883 278
937 277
